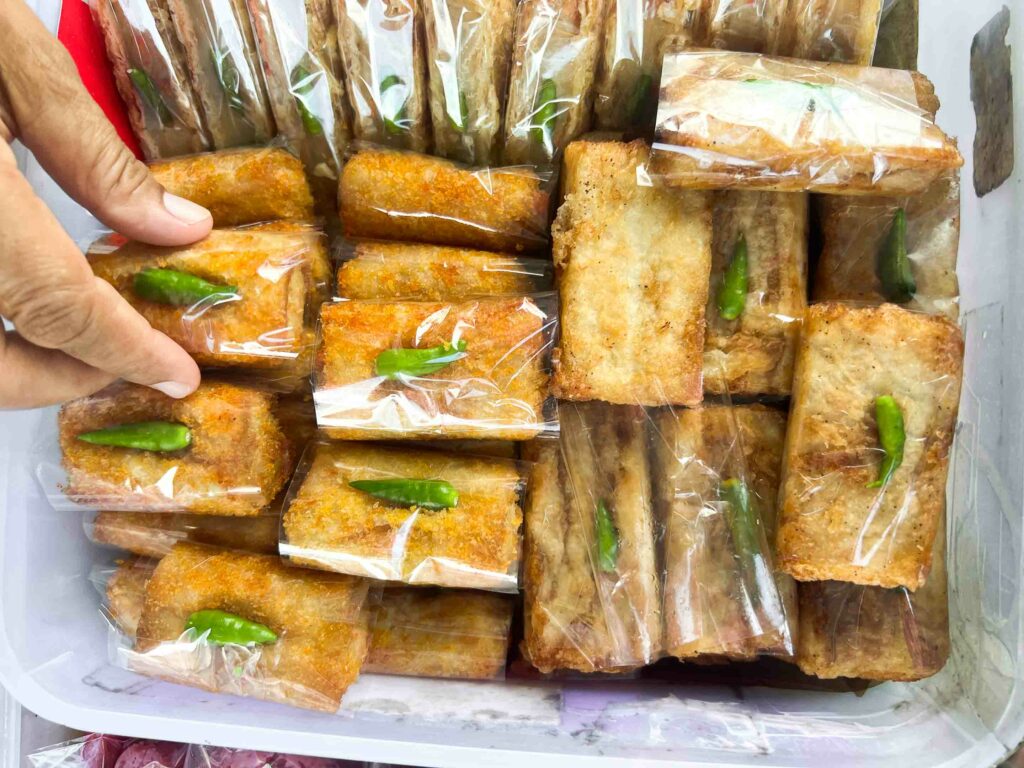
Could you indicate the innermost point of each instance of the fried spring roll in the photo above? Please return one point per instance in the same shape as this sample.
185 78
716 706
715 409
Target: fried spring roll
634 263
404 196
744 120
236 461
831 30
742 25
125 593
320 622
591 586
240 186
474 543
845 516
153 534
752 353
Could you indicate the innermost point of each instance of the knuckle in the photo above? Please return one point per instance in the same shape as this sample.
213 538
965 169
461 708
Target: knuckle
115 171
55 317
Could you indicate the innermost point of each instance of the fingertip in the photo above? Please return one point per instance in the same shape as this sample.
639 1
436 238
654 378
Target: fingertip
174 221
181 375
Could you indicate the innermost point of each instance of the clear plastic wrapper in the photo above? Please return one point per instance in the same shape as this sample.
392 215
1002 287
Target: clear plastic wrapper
202 756
404 196
101 751
153 534
123 589
746 120
469 44
716 475
875 397
753 26
831 30
590 580
898 249
419 369
409 515
633 264
240 186
150 74
382 50
758 292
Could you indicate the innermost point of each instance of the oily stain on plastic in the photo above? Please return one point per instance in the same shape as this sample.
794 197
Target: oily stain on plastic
992 95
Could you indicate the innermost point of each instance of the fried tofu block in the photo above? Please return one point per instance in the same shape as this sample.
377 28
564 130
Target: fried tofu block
330 525
240 186
497 389
237 462
633 264
753 354
456 634
745 120
833 526
740 25
831 30
382 270
404 196
153 534
717 605
321 622
126 593
583 612
855 230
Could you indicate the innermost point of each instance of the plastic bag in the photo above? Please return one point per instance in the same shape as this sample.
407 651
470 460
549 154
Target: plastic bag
303 636
385 66
875 397
417 369
633 264
716 476
551 84
202 756
153 534
903 250
590 580
831 30
744 120
418 516
150 74
123 589
758 292
469 44
753 26
405 196
100 751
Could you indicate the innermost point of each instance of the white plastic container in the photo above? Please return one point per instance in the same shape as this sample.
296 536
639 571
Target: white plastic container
53 643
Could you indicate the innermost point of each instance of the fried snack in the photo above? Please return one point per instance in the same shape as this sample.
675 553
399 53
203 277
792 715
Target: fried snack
741 25
381 44
590 604
495 388
382 270
633 266
744 120
753 354
153 534
240 186
331 525
320 621
126 593
404 196
831 30
237 462
469 43
440 633
833 525
718 603
855 232
150 75
499 449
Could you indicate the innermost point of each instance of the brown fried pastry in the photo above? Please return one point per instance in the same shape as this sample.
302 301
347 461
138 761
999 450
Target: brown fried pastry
153 534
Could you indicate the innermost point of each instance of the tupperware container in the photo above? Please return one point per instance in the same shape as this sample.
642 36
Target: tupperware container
53 641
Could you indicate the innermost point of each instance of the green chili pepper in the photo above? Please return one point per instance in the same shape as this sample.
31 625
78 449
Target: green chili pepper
302 85
545 111
732 293
638 99
398 122
227 628
894 272
151 94
229 77
460 124
429 494
742 521
607 538
418 362
891 436
160 436
168 286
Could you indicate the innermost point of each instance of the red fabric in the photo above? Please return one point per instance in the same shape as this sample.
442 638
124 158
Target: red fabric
83 39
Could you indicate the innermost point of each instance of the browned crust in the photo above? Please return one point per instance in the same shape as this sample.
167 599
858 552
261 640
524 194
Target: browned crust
126 594
152 534
830 30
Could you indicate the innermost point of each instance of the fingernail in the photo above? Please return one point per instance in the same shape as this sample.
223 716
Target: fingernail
184 210
174 389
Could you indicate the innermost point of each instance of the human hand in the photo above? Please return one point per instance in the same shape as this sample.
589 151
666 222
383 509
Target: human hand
74 333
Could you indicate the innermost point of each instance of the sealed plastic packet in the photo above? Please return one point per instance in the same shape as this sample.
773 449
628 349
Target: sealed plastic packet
150 74
754 26
469 44
123 589
716 474
833 30
897 249
874 405
381 43
153 534
406 515
394 195
750 121
633 265
102 751
590 579
758 292
551 83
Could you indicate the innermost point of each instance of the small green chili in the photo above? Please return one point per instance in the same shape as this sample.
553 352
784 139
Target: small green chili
894 272
742 521
302 81
732 293
151 95
227 628
229 77
429 494
639 97
397 122
169 286
463 116
545 112
159 436
891 437
607 538
418 362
